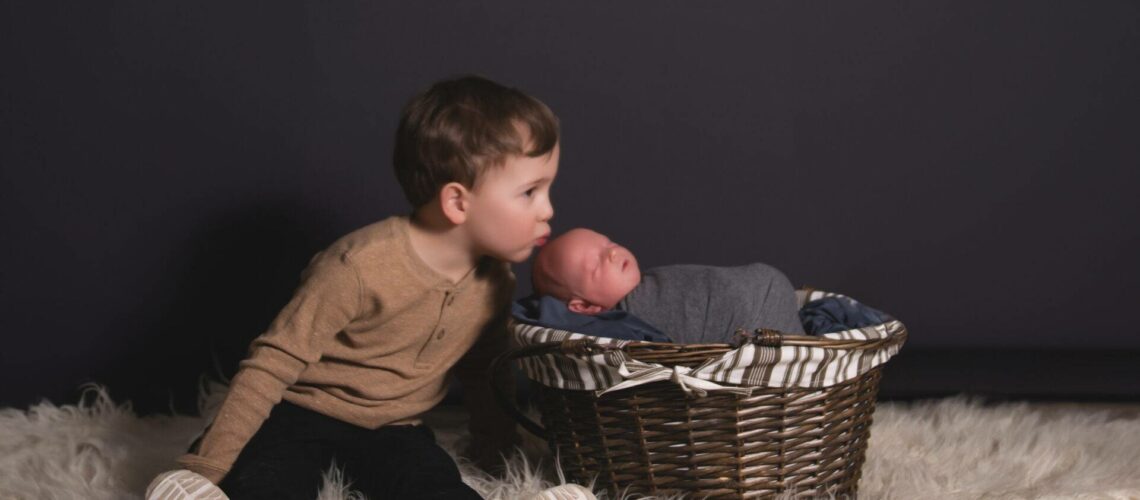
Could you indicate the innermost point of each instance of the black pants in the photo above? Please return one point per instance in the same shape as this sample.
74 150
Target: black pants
286 457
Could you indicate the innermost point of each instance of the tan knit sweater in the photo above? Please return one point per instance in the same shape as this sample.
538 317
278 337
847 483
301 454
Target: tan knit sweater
368 338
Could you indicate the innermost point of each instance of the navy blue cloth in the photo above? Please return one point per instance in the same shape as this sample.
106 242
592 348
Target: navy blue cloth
550 312
835 314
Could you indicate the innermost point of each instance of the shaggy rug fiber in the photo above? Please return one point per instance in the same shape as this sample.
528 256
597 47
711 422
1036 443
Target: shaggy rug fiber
954 448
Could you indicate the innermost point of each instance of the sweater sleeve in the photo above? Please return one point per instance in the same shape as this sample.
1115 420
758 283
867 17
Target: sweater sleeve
325 302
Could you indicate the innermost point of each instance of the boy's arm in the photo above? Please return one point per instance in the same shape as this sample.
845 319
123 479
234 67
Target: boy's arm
325 302
493 431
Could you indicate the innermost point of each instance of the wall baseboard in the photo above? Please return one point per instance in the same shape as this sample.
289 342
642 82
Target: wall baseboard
1078 375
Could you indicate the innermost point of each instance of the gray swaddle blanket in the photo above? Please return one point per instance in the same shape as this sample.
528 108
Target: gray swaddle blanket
696 304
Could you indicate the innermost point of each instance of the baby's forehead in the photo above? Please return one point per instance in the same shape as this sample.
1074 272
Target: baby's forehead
576 244
585 237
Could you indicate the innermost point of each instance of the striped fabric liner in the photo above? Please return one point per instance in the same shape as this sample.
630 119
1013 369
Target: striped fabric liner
750 365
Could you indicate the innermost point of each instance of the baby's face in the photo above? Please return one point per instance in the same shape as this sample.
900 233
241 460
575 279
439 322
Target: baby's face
595 269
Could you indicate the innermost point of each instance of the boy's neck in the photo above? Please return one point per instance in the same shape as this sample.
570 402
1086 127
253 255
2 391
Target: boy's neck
442 246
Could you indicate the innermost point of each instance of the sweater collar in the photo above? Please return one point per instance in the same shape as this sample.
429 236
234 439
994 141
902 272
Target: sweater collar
421 270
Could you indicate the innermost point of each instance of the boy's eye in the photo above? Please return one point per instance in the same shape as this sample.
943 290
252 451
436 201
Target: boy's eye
530 192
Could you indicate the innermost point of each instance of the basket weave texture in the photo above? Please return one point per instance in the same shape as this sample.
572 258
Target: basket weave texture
662 438
653 439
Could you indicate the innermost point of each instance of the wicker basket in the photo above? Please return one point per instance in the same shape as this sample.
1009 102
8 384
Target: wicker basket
659 438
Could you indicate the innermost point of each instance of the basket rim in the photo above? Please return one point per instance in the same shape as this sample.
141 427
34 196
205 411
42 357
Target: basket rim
761 337
571 360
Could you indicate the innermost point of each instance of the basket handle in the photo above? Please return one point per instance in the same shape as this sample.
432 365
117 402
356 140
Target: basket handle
762 337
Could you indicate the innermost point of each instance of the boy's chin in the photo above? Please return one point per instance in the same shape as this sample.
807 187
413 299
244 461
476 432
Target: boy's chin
519 257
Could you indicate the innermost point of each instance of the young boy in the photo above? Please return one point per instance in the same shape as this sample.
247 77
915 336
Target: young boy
383 314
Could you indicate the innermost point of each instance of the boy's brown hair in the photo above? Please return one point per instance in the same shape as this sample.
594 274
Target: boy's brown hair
457 129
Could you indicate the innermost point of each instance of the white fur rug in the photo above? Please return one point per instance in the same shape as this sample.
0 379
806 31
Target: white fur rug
953 448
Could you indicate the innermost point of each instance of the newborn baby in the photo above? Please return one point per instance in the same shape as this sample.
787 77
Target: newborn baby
691 303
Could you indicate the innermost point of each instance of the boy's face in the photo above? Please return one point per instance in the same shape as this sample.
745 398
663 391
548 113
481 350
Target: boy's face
510 207
597 270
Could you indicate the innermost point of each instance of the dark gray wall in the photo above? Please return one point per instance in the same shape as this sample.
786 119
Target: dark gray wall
169 167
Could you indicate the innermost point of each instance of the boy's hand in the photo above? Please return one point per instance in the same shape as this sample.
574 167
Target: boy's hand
195 464
213 475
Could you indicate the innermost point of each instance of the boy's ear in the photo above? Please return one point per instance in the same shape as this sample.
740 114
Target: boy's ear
582 307
454 200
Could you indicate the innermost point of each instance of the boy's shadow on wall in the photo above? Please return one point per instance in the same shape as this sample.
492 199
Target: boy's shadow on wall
239 270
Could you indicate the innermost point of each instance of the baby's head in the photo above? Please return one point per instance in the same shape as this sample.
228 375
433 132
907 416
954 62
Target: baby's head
586 270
